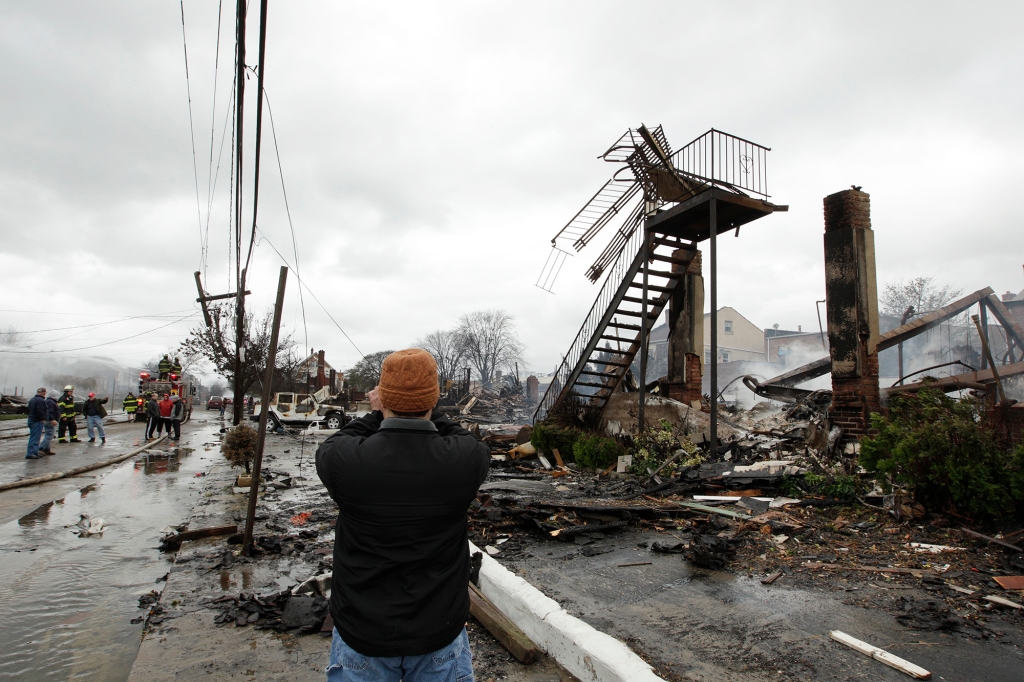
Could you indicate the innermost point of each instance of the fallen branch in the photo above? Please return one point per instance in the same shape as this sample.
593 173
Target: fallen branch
994 541
874 569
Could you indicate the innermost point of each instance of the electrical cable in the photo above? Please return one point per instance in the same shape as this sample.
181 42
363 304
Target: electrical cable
288 212
210 182
98 345
285 261
192 132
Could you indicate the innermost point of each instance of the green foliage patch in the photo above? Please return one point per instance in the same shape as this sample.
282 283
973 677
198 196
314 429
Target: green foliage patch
939 449
595 451
547 437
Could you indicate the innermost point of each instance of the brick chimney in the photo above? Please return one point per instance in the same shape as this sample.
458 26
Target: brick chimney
852 299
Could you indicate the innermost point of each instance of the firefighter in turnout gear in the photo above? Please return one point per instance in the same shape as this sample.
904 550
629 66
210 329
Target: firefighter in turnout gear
164 368
176 368
131 403
67 416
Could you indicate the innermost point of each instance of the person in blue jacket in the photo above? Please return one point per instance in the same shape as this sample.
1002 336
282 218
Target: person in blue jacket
50 425
36 416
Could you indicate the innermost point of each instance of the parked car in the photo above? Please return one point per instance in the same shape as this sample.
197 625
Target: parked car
216 401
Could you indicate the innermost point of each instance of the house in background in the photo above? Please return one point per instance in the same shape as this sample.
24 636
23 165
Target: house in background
739 339
314 373
794 348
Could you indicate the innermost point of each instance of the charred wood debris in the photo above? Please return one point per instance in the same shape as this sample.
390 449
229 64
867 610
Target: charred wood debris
742 510
738 511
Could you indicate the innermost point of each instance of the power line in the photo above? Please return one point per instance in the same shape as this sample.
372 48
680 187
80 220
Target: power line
98 345
285 261
192 132
288 212
210 183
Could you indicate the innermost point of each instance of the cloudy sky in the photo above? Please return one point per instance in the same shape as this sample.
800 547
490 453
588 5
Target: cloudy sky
431 150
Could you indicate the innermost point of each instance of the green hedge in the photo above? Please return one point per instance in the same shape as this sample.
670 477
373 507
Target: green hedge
938 448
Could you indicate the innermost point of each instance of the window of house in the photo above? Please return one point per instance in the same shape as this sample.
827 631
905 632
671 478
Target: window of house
707 356
728 326
725 356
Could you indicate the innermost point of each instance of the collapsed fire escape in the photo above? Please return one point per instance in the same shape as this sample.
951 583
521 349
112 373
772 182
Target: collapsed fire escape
663 203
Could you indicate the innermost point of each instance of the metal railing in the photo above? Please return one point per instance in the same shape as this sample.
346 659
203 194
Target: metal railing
719 157
591 324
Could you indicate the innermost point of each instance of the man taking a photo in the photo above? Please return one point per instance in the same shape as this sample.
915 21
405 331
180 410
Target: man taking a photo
403 483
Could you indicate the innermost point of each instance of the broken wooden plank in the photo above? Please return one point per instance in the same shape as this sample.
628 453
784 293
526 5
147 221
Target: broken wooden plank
503 629
174 541
772 578
881 655
558 458
874 569
1003 602
1010 582
703 508
1015 548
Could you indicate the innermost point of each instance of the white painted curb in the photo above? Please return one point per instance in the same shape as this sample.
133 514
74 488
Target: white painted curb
590 655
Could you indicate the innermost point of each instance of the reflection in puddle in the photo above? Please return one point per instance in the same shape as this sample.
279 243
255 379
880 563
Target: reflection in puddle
66 603
37 515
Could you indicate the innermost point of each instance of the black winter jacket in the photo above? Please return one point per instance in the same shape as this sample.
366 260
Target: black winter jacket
401 553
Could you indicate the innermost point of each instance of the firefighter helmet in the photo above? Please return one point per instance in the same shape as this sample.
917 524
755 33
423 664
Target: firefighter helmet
69 387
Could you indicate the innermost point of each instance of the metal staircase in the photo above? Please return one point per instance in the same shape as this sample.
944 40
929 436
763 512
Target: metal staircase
609 339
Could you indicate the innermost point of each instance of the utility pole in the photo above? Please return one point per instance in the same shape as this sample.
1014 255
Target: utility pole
261 437
239 271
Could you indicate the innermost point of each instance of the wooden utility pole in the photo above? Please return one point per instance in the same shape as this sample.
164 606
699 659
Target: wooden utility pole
268 383
240 272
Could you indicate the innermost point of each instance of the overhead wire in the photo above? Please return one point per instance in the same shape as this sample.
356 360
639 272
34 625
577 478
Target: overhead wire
288 212
192 131
98 345
210 182
302 283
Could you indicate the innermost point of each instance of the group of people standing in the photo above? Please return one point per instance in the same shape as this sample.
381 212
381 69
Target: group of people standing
167 413
45 413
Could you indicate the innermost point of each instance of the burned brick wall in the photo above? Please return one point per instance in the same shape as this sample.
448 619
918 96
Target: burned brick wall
686 333
852 301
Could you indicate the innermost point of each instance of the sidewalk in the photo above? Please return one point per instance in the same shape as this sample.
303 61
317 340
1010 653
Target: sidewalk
295 525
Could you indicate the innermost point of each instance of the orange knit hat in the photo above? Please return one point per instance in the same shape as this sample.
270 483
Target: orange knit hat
408 381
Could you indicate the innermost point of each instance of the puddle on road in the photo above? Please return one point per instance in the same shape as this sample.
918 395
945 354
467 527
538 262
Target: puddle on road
67 602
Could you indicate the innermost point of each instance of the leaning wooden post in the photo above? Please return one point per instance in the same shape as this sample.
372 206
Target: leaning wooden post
261 437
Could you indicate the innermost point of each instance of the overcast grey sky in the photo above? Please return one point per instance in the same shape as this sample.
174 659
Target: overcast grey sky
431 150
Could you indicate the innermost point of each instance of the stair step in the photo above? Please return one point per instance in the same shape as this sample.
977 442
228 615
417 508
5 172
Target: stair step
587 383
603 398
670 259
619 338
667 274
652 287
674 244
636 313
598 374
613 363
622 325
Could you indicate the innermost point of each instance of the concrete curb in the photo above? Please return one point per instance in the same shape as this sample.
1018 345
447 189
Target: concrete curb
590 655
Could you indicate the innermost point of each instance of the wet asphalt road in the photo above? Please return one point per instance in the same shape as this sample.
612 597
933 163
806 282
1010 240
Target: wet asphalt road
67 601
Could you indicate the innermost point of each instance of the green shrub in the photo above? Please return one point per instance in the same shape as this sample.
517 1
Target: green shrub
547 437
654 446
938 448
839 487
595 451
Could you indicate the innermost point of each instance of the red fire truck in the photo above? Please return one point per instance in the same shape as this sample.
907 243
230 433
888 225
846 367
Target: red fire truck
173 385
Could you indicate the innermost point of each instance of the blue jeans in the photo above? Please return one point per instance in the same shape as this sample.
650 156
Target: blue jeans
453 663
35 432
95 422
48 431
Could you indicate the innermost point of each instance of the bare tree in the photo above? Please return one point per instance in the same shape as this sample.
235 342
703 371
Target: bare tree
217 345
449 351
921 292
491 341
366 373
11 335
